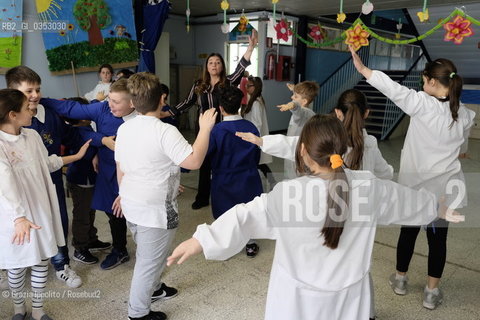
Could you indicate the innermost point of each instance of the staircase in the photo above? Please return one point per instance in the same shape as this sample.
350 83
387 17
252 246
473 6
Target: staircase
377 102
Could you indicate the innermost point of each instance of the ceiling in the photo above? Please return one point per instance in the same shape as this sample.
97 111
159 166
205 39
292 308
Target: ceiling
311 8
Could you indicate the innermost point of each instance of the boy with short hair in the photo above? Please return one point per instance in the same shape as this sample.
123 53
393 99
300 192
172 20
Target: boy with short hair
235 177
108 116
148 155
303 95
54 132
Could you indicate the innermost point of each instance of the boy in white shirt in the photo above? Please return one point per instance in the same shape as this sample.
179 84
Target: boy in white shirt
149 154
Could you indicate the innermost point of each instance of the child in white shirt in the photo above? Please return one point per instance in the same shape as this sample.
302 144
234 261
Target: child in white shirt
101 90
149 153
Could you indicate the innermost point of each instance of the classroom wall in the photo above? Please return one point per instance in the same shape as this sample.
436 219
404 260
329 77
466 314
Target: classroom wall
181 42
322 63
34 56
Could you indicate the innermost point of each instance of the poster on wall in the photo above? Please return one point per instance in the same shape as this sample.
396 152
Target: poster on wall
320 34
94 32
10 34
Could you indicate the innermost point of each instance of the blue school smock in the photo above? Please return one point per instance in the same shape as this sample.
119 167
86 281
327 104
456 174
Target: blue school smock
81 172
235 177
106 186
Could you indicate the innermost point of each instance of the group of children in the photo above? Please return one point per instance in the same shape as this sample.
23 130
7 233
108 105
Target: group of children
339 178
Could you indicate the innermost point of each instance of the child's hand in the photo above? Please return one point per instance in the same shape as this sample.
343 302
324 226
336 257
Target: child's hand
286 107
101 96
95 163
253 39
22 230
366 72
207 119
181 189
184 251
81 153
117 208
290 86
448 214
109 142
250 137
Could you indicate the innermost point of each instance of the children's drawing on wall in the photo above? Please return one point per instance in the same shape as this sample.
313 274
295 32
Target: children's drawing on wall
10 38
96 32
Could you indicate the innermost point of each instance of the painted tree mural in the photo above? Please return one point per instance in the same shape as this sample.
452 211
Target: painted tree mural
92 16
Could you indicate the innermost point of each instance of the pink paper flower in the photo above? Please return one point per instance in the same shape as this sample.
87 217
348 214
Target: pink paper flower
283 32
457 30
316 33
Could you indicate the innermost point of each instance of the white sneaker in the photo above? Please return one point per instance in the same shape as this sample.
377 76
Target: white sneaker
432 298
69 276
398 283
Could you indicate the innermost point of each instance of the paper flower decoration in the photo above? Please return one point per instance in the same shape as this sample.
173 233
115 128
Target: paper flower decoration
283 32
341 17
357 37
224 5
367 7
317 33
274 1
423 16
225 28
457 30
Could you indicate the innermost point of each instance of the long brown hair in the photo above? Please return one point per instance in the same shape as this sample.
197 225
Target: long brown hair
353 104
204 83
323 136
257 94
445 72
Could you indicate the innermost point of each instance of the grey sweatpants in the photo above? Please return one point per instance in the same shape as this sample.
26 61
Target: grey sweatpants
153 246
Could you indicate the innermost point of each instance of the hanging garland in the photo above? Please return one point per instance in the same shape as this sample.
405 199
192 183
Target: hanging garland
342 37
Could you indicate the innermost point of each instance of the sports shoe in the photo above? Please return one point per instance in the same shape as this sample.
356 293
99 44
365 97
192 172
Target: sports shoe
432 298
398 284
84 256
153 315
69 276
98 245
114 258
164 293
252 250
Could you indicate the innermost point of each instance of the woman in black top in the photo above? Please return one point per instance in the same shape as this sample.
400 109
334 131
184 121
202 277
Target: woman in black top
205 92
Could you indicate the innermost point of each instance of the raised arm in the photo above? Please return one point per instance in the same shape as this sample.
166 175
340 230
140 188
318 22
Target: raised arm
236 76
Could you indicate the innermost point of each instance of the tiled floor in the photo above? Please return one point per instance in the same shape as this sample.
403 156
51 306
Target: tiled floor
236 289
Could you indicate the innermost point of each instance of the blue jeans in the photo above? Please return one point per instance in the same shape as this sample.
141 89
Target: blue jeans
60 259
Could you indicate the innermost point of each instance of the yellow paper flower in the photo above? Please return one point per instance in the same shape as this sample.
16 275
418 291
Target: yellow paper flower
341 17
357 37
423 16
224 5
274 1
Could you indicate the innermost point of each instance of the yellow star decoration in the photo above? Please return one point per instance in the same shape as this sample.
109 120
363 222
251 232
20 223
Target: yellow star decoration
423 16
357 37
224 5
341 17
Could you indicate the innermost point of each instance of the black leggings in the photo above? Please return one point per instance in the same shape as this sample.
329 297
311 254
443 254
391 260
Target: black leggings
267 173
437 247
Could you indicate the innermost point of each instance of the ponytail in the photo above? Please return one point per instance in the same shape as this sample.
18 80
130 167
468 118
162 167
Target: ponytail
337 208
353 123
324 139
454 91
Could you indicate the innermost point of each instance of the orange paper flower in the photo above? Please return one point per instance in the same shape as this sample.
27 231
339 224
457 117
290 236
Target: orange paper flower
357 37
457 30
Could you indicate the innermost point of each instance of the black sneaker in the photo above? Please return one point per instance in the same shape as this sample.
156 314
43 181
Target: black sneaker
98 245
153 315
84 256
114 258
252 250
198 205
164 293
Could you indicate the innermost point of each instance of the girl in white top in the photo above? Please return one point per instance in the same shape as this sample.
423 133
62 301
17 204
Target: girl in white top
255 112
439 125
31 229
324 241
362 152
101 90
